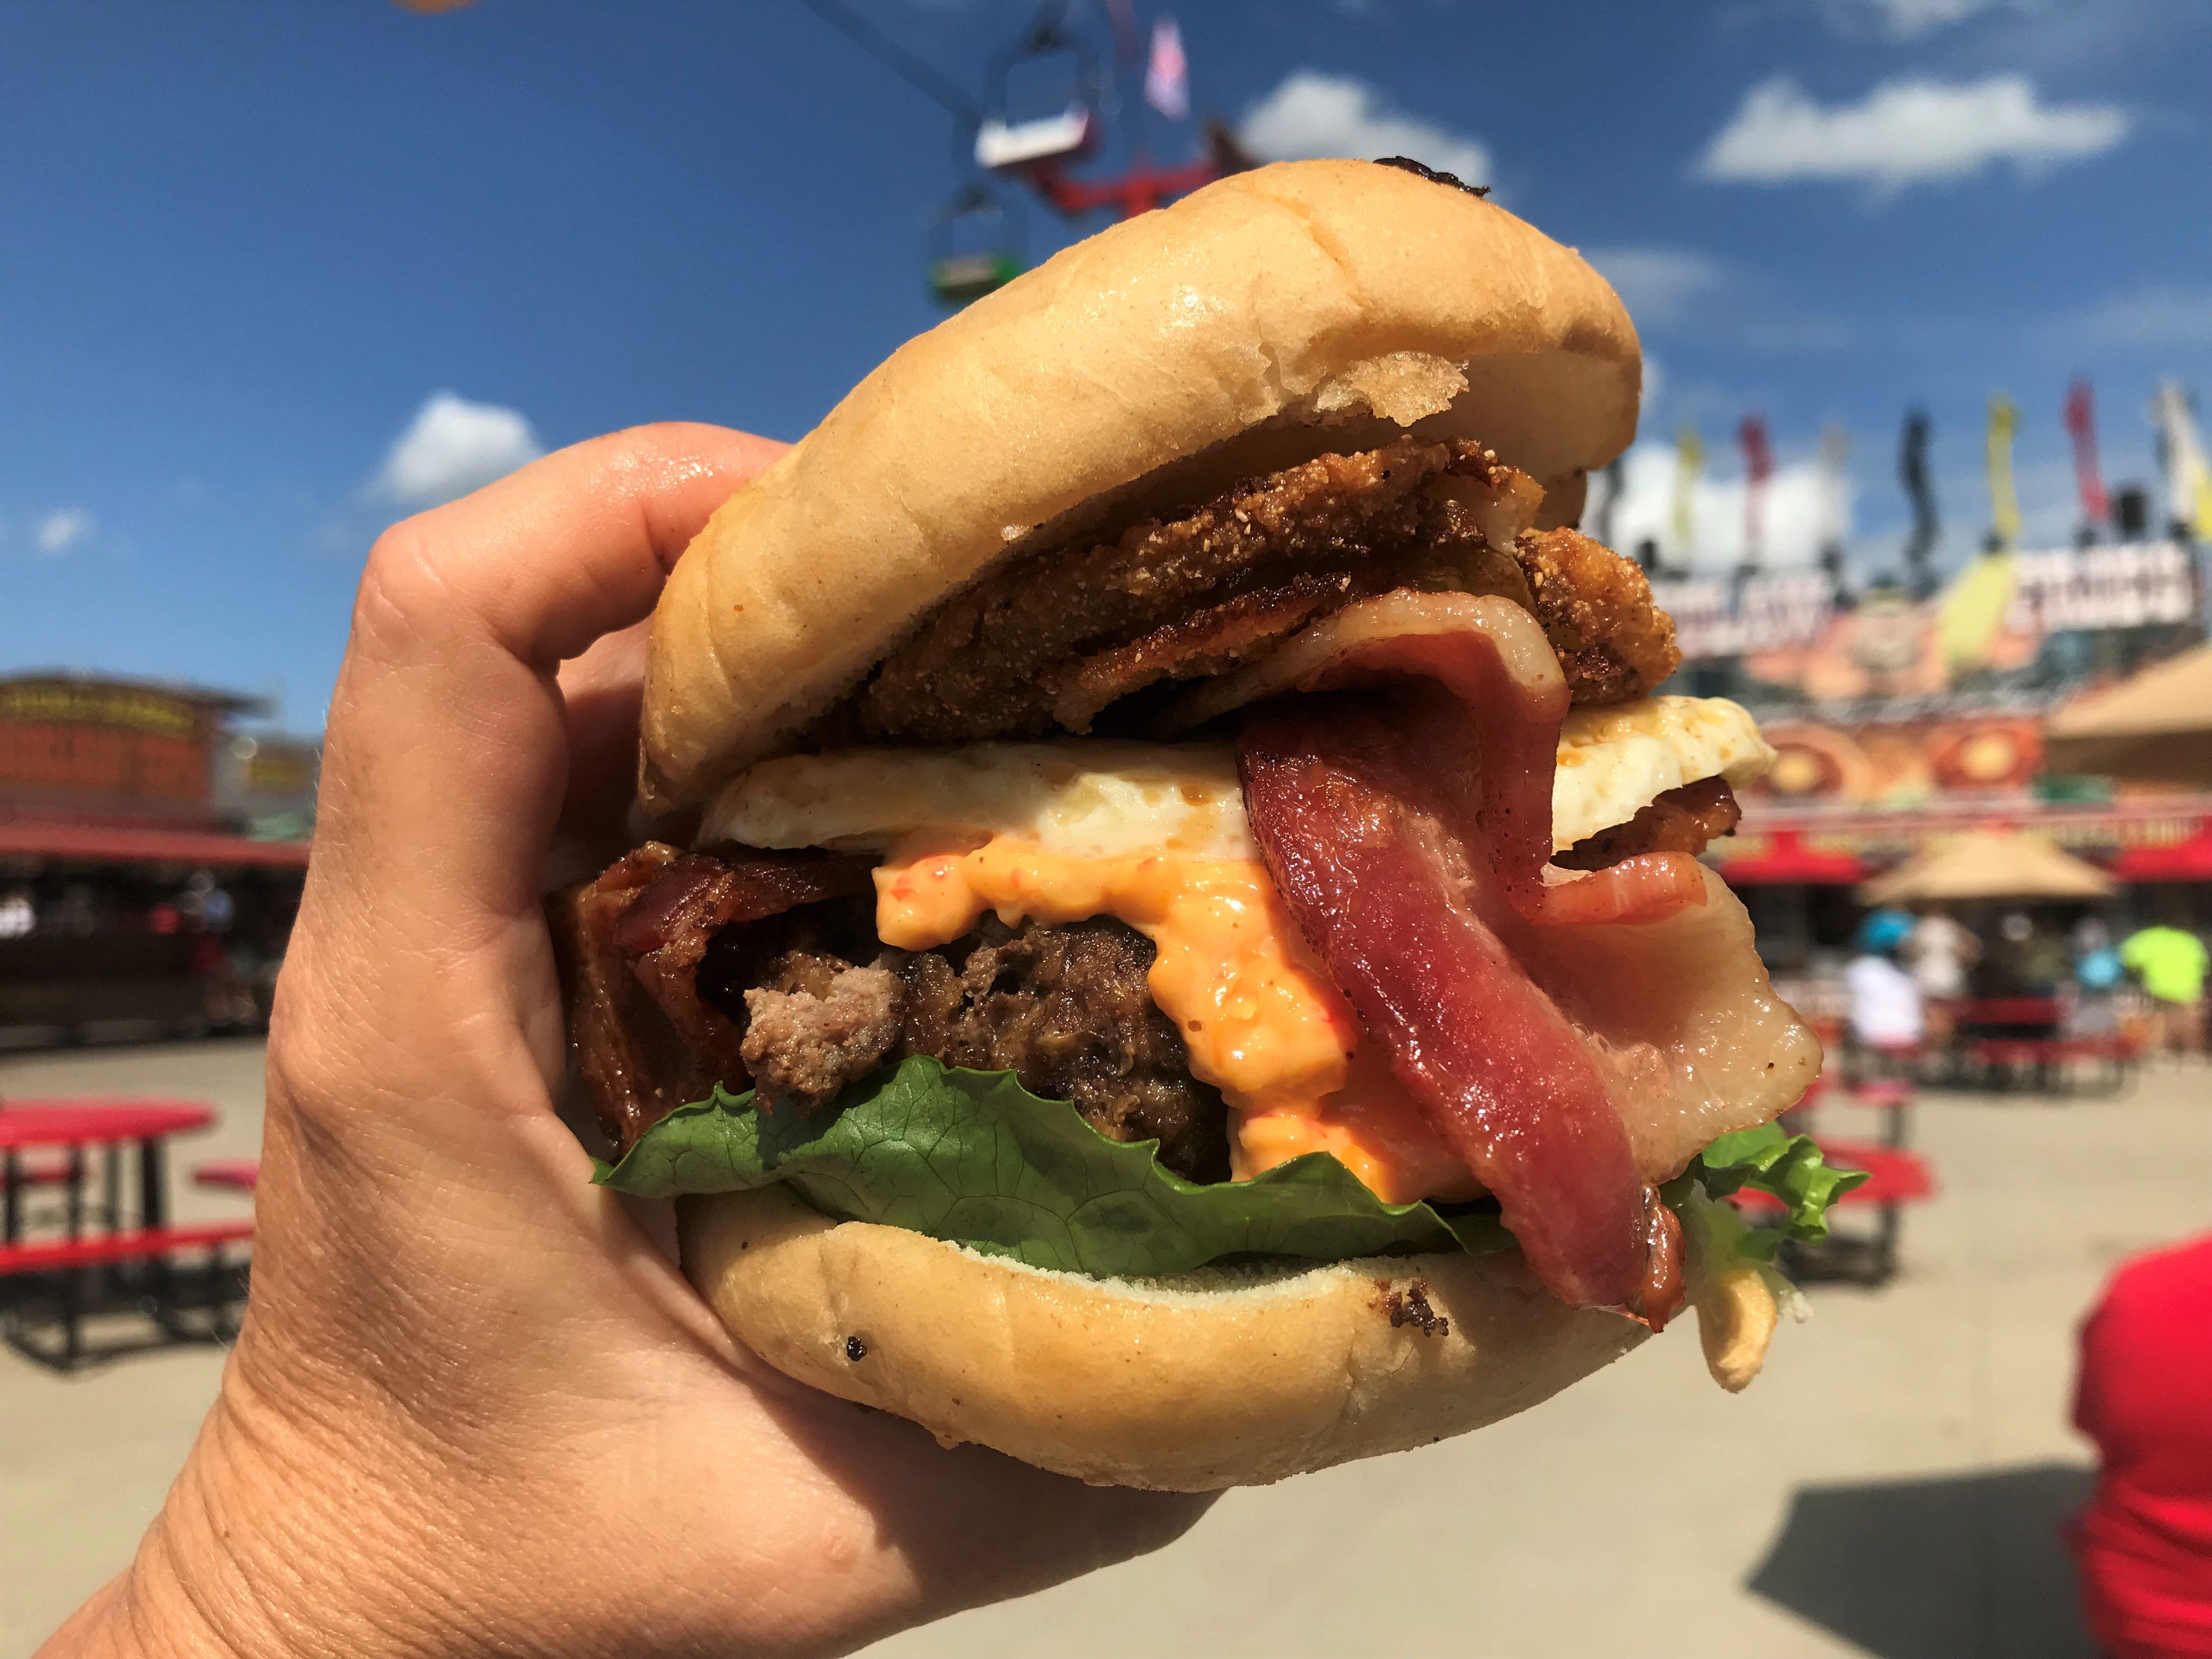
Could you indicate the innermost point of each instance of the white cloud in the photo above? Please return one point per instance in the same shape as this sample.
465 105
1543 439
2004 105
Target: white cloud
452 447
1657 284
2158 314
1905 133
1313 114
63 529
1793 514
1906 19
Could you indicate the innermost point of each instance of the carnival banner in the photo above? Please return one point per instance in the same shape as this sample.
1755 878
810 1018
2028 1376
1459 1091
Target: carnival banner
1791 632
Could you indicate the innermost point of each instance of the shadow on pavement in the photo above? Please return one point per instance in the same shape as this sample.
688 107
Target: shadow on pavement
1965 1567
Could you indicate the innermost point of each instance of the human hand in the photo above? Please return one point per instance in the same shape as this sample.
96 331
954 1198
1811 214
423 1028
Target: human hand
474 1408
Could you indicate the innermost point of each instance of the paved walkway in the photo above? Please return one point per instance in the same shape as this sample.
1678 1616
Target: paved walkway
1890 1485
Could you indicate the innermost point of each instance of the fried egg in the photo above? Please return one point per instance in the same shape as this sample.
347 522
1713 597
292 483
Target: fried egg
1098 798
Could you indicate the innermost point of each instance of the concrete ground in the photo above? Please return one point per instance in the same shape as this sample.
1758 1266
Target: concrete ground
1892 1485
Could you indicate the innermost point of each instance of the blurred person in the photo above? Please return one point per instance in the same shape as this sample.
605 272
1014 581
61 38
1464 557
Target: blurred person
1941 949
2097 976
553 1447
2169 963
2143 1544
1887 1020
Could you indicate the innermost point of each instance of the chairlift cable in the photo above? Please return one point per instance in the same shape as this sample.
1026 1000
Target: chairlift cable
916 72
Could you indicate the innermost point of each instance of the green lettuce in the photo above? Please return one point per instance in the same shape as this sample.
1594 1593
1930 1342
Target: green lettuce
1784 1166
974 1158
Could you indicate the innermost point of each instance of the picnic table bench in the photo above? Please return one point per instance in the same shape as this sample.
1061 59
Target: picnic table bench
109 1246
1999 1042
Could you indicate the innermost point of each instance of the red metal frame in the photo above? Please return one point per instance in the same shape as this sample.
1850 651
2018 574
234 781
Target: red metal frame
1139 190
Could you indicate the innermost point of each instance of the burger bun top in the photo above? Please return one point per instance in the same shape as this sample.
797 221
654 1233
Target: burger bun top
1298 309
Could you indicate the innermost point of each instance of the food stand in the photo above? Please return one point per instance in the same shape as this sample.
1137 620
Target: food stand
151 855
1901 723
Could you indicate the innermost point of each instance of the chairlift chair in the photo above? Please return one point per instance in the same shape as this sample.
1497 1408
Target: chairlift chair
975 247
1003 143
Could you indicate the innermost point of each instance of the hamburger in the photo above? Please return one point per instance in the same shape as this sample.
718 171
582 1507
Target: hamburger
1193 965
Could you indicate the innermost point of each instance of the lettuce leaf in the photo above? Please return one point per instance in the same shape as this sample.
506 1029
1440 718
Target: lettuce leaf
1784 1166
974 1158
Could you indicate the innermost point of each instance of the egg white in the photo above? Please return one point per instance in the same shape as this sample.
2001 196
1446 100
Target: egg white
1615 762
1091 798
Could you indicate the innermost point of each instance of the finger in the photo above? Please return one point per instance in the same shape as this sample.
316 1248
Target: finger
601 692
446 757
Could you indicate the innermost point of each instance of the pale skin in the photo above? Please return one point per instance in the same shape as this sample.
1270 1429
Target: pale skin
474 1408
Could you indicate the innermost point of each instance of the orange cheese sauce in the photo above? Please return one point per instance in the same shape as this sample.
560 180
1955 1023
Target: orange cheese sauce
1257 1012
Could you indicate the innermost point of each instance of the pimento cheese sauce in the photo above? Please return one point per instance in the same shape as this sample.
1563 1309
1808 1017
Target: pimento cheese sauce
1258 1014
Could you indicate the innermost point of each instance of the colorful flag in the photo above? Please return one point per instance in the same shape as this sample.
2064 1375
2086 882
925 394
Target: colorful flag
2188 480
2004 504
2082 426
1835 495
1167 76
1689 459
1920 490
1125 30
1758 466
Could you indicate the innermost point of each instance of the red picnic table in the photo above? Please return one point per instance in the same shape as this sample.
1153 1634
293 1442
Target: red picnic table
115 1247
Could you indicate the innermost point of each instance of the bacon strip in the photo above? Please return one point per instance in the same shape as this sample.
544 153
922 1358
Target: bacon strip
1486 752
643 925
1381 891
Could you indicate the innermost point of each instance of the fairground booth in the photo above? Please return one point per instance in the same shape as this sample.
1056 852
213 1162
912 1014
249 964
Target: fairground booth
1905 723
151 856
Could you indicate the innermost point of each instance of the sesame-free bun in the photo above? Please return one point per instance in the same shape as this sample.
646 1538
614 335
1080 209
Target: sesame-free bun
1223 1378
1275 315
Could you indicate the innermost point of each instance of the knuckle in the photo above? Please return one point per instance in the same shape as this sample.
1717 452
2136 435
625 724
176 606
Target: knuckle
403 588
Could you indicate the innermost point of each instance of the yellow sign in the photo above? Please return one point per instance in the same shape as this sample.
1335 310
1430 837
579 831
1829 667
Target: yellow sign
76 704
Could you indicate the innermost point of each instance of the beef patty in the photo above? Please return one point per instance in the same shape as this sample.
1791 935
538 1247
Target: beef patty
805 1000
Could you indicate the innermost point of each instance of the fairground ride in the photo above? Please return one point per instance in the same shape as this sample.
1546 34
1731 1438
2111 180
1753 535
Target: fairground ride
1053 103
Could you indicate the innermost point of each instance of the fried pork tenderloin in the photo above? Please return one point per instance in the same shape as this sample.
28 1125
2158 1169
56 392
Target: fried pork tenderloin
1060 639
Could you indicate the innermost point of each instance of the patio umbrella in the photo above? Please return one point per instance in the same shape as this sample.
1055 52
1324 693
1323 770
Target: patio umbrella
1989 863
2155 728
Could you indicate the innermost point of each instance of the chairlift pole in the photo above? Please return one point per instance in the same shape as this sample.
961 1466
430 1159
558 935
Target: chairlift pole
916 72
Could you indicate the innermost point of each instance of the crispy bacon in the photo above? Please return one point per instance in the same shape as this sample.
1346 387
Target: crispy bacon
1208 641
634 1065
1682 820
1380 887
643 927
1534 1013
1483 753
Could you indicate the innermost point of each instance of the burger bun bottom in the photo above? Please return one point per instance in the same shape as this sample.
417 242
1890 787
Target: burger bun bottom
1228 1376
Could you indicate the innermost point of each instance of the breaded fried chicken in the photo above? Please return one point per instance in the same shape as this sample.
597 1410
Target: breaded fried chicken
1596 609
1056 639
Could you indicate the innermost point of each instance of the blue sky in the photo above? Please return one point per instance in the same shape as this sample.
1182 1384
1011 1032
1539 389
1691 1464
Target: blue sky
243 246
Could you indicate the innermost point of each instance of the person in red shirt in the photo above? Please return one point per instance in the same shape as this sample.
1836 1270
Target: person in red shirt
2144 1542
